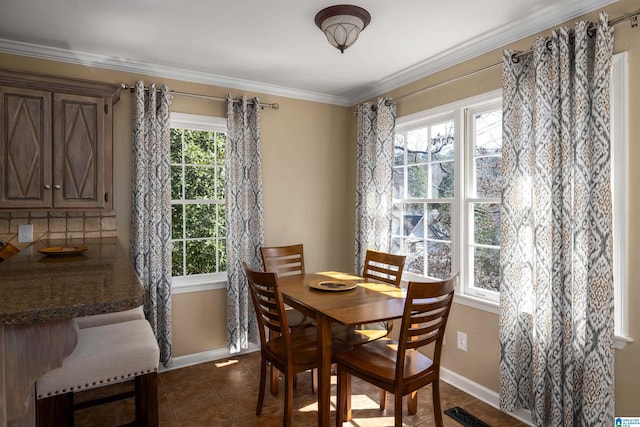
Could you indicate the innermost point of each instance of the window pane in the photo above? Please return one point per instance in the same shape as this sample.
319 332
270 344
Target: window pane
488 129
199 183
176 182
220 190
396 219
396 246
221 147
398 183
442 140
488 176
176 259
412 224
222 255
486 271
439 259
486 223
201 221
418 181
415 255
443 180
398 149
176 145
201 256
176 221
417 146
439 221
199 147
221 220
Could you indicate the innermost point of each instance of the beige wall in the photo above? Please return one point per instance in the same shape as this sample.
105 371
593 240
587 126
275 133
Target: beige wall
309 188
480 363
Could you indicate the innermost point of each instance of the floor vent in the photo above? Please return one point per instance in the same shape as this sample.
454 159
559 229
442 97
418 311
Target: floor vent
465 418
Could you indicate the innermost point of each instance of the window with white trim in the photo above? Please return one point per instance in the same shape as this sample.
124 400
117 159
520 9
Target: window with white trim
198 222
446 194
444 226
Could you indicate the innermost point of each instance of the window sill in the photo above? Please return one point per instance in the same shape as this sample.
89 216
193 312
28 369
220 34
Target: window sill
620 341
494 307
198 283
478 303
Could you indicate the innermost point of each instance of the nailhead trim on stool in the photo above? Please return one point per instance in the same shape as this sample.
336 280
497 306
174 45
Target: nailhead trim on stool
104 355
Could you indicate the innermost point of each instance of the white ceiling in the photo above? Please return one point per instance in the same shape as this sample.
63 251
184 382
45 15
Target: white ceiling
274 46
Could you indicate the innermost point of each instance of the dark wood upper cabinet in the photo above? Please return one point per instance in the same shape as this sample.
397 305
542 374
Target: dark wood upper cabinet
55 142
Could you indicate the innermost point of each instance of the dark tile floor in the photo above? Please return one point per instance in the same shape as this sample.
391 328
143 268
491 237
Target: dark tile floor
224 393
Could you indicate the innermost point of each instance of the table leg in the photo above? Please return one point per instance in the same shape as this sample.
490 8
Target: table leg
324 377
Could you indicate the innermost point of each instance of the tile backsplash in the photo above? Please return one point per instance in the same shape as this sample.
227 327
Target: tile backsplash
61 225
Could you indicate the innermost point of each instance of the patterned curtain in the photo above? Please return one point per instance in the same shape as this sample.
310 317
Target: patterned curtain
556 302
151 209
245 220
374 178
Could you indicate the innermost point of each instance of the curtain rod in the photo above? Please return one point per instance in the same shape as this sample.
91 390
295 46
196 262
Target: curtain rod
129 87
631 16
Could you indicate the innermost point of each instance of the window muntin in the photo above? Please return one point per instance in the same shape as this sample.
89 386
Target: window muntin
197 195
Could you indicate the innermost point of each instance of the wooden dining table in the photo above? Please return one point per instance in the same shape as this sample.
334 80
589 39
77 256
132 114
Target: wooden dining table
366 303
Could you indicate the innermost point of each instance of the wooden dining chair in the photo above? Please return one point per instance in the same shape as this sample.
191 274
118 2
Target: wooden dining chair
397 366
287 261
288 350
378 267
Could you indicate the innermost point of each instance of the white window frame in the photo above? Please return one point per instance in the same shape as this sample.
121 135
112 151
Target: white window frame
470 198
619 185
619 179
208 281
457 111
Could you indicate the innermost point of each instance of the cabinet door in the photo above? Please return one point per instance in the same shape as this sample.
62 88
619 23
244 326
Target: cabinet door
78 151
25 148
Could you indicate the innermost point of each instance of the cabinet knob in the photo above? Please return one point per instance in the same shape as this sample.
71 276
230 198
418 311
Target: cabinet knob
57 186
47 186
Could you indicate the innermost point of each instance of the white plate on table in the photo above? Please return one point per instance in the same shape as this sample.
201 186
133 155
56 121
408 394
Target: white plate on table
332 285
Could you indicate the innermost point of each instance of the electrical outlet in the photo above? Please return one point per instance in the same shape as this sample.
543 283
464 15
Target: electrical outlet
25 233
462 341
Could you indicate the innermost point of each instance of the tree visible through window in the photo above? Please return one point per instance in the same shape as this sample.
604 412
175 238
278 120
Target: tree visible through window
197 198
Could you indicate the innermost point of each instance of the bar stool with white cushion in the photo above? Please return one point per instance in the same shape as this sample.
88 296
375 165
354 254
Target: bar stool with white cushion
109 318
104 355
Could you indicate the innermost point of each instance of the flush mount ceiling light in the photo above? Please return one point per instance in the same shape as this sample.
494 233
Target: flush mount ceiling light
342 24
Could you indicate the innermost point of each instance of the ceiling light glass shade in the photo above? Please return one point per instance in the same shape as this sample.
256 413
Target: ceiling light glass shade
342 24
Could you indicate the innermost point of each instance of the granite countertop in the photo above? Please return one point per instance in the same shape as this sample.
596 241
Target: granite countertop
36 288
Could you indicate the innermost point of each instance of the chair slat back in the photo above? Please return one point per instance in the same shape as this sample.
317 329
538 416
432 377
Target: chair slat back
268 304
283 260
383 267
424 320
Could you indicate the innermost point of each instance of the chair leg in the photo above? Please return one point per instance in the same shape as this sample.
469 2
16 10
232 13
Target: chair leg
347 397
437 411
288 398
383 400
55 411
314 380
397 409
146 389
275 380
263 374
412 403
341 398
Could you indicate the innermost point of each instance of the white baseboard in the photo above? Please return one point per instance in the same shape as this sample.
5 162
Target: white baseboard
205 356
476 390
480 392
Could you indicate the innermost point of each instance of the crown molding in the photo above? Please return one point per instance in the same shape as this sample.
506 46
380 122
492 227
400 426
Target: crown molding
543 20
131 66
